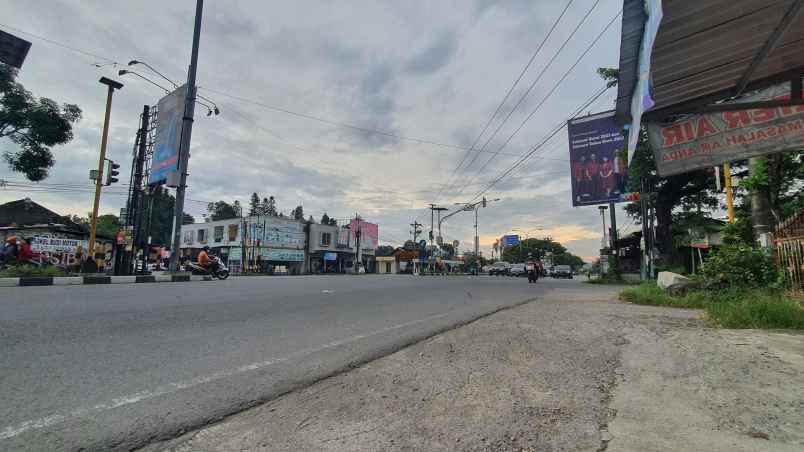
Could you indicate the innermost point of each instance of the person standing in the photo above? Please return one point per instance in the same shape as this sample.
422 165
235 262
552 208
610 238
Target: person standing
592 175
578 175
608 180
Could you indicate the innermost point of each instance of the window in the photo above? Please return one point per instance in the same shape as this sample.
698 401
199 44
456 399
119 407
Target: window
188 237
387 267
232 232
218 234
326 239
202 236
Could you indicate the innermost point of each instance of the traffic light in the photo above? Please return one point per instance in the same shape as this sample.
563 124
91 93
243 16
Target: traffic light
111 172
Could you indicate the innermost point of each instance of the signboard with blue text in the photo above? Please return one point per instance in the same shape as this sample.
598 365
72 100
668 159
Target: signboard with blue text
510 240
170 110
330 257
273 254
597 160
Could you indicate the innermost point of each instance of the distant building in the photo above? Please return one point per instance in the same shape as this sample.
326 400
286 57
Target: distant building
55 238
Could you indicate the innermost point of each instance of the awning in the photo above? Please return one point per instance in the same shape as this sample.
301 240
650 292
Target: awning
706 51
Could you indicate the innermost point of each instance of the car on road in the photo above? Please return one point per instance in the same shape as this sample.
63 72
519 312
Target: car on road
562 271
499 269
517 270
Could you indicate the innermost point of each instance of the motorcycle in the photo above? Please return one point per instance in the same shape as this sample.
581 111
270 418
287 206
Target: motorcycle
533 273
217 270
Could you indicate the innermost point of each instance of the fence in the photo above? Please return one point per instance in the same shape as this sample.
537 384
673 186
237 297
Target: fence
790 251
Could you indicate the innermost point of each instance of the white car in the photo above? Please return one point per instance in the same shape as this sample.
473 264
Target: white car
517 270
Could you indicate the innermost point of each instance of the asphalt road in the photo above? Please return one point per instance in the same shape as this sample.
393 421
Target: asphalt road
118 366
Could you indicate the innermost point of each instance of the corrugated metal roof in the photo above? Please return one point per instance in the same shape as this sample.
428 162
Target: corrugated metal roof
704 47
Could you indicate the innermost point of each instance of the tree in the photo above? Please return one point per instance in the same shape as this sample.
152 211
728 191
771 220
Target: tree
670 192
384 250
298 213
269 207
325 218
35 125
221 210
409 245
254 207
108 225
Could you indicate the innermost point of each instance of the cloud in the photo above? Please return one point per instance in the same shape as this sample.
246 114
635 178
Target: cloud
434 57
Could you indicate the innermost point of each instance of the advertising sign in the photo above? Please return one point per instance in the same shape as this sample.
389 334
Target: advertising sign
369 233
282 255
597 159
330 257
642 98
510 240
277 232
705 140
170 110
13 50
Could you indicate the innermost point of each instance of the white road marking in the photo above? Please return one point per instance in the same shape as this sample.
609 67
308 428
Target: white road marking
53 419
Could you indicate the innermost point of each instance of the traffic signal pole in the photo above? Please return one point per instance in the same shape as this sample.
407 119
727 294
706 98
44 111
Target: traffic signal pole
111 86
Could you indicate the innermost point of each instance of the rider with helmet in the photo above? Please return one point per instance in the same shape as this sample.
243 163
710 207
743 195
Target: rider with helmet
205 261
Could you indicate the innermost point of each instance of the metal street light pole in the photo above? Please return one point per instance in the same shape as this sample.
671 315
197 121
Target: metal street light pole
186 133
111 86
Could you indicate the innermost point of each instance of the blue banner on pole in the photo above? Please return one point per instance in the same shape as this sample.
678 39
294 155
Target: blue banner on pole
170 110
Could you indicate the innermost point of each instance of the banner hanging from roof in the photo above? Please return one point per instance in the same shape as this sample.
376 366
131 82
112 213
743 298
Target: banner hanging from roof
642 98
692 142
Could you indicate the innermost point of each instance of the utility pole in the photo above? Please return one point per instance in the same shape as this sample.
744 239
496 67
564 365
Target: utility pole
111 86
416 229
186 133
357 240
613 237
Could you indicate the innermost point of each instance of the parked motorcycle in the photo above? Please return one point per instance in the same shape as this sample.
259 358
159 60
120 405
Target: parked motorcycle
217 270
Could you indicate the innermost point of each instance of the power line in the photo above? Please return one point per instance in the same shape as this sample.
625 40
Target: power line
502 102
266 106
527 92
60 44
535 148
550 93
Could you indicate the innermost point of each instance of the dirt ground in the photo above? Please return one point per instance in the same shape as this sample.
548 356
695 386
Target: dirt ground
576 370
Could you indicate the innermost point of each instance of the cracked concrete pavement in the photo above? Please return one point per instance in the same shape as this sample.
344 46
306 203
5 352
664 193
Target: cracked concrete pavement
574 370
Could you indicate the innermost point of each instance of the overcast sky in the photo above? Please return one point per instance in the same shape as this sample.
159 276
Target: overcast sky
430 71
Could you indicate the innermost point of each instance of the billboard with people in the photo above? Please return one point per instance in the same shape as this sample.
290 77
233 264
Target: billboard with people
598 159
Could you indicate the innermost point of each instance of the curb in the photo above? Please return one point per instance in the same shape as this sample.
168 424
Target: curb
96 280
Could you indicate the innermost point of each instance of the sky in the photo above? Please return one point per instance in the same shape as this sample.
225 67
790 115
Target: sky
301 85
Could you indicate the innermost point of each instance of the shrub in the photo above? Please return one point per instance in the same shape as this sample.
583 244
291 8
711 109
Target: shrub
757 310
23 271
741 266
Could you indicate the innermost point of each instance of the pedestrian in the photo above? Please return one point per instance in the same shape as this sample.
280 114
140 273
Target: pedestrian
10 251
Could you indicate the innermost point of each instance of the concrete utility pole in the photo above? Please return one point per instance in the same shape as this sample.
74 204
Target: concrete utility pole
111 86
186 133
416 229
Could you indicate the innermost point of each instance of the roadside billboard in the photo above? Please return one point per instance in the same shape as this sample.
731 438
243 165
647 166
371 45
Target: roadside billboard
369 233
597 159
510 240
697 141
170 110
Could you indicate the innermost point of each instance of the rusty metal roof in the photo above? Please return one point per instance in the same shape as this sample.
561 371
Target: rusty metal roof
704 48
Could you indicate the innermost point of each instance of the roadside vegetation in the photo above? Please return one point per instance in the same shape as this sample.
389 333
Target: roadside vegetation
27 271
738 287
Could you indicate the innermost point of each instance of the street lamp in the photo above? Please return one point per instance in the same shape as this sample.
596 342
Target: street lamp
211 107
468 207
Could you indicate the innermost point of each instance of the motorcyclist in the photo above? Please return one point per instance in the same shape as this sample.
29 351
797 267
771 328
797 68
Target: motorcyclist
532 267
10 251
205 261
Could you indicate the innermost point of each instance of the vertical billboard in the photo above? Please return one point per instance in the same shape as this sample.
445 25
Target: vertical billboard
170 111
597 159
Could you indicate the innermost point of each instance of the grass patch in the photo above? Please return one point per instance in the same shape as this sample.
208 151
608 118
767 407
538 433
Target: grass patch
735 308
25 271
612 281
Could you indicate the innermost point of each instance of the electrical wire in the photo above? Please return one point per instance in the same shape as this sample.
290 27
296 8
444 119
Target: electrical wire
503 101
548 95
535 148
527 93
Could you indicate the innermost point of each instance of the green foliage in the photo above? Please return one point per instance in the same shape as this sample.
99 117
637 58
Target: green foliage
298 213
35 125
610 75
734 308
162 216
740 265
221 210
757 310
26 271
108 225
539 248
384 250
